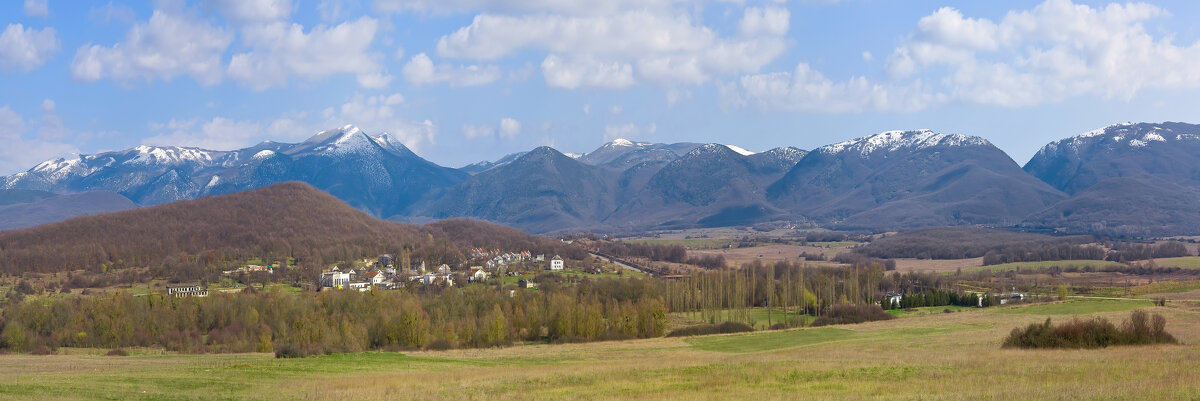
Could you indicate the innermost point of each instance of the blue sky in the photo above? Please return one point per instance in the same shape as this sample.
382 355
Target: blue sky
467 80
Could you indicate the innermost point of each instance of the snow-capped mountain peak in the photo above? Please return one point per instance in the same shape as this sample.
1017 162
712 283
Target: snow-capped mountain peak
739 150
896 140
1139 135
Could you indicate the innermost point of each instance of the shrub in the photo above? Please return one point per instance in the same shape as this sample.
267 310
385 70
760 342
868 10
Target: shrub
778 326
850 314
1092 333
440 344
117 352
706 329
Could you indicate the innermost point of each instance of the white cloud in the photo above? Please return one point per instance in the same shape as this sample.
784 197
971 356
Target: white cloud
1052 52
24 49
509 128
247 11
109 12
373 114
666 46
477 131
627 131
37 8
280 50
867 56
164 47
217 133
420 70
571 7
19 153
805 89
573 74
769 21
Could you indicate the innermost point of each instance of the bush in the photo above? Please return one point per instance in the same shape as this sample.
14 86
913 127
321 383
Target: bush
440 344
117 352
778 326
289 350
706 329
1093 333
850 314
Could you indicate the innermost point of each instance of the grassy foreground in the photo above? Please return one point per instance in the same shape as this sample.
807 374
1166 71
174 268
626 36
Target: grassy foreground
929 357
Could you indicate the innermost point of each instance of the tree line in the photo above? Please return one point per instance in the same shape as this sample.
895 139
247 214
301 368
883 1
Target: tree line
297 324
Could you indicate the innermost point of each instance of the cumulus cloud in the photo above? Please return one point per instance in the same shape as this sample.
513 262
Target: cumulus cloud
571 74
373 114
769 21
509 128
420 70
805 89
278 51
1052 52
658 45
25 49
37 8
166 46
570 7
19 152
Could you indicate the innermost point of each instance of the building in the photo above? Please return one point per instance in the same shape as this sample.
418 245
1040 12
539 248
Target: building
556 263
477 274
523 283
335 278
181 291
892 300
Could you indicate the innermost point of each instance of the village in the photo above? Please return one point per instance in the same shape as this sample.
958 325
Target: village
388 272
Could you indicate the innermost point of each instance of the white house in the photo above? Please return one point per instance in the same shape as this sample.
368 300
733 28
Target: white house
335 279
373 277
556 263
477 274
892 300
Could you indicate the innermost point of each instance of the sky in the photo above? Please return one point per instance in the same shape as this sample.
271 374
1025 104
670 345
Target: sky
460 81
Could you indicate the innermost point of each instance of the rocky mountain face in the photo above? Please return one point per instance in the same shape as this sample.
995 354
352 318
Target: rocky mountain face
1134 179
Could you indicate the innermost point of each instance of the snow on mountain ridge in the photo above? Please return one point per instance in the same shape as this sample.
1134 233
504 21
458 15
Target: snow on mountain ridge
896 140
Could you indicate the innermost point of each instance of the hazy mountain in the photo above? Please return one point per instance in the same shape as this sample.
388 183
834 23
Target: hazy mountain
712 185
1139 179
622 153
377 174
476 168
903 179
541 191
48 207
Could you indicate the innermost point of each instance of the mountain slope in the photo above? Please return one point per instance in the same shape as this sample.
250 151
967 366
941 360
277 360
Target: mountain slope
288 219
1125 179
904 179
377 174
61 207
541 191
1169 151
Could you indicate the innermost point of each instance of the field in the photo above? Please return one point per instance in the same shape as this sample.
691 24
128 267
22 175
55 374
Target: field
1044 265
770 253
929 357
1186 262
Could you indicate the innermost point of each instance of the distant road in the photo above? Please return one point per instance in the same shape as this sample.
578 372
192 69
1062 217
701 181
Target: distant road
1109 298
622 263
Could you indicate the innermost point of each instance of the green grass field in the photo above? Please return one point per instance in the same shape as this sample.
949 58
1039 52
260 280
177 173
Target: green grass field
929 357
762 318
1043 265
1186 262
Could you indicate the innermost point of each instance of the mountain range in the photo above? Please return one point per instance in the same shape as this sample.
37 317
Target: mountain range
1128 179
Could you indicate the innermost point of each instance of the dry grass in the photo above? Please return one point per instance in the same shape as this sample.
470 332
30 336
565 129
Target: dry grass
908 265
940 356
768 253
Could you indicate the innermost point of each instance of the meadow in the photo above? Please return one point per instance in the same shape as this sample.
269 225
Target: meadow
929 356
